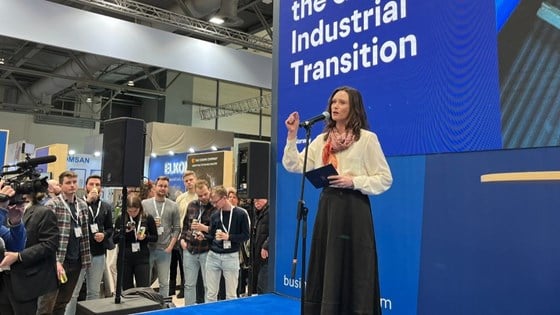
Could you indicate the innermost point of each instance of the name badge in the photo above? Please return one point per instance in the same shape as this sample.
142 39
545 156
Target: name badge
135 247
227 244
94 228
158 221
160 230
78 231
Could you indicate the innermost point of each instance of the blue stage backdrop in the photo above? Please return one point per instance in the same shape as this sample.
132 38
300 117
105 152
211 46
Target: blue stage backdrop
490 248
450 244
432 80
427 69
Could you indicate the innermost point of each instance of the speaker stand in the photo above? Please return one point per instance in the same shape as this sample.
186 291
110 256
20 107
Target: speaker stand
107 306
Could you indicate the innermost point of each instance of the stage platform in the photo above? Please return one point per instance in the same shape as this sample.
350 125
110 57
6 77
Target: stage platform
269 304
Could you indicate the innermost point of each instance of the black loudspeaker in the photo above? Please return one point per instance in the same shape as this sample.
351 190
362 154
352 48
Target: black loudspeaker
253 160
108 306
123 152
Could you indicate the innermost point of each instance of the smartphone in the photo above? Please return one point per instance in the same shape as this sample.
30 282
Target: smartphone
142 230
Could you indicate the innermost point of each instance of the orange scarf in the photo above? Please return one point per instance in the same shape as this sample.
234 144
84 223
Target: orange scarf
336 143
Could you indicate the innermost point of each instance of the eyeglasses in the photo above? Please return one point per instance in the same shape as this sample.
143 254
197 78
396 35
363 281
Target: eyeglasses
215 201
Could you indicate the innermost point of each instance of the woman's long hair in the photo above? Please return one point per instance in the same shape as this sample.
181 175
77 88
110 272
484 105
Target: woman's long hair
357 116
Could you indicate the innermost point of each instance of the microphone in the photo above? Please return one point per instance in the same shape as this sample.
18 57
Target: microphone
18 171
311 121
37 161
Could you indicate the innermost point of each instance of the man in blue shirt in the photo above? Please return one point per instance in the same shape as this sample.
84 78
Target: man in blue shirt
12 231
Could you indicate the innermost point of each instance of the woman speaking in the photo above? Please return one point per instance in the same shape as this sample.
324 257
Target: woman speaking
342 275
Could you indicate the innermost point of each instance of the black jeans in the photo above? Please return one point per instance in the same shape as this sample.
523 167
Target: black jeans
176 260
136 269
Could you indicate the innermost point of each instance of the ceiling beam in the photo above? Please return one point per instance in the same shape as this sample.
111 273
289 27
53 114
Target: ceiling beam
263 21
205 29
96 83
22 55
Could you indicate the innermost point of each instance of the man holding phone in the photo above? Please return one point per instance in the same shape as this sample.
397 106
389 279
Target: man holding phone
100 222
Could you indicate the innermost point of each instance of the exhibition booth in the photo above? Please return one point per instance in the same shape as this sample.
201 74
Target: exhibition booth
454 90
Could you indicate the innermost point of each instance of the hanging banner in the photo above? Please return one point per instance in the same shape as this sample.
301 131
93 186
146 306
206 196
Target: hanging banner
215 167
4 134
172 166
84 165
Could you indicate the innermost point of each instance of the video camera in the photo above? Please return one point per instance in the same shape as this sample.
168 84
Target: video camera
26 179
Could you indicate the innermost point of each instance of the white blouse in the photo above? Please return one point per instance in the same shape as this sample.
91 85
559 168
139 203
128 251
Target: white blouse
363 160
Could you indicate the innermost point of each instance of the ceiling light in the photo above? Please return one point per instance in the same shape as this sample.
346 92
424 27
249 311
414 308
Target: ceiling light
1 60
191 150
216 20
214 148
130 83
550 14
153 155
71 152
171 153
97 153
88 100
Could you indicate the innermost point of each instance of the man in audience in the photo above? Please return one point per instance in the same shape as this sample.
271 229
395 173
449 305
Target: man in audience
166 215
259 253
12 232
244 250
52 191
100 240
229 228
193 239
183 200
32 269
73 252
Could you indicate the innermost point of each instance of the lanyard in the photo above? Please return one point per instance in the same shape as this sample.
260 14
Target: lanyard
162 208
77 218
91 210
201 212
230 219
137 227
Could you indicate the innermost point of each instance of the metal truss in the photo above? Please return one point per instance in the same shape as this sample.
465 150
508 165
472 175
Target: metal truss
250 105
208 30
97 83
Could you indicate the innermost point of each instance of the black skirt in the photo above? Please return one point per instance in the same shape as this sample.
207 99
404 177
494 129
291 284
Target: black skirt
342 275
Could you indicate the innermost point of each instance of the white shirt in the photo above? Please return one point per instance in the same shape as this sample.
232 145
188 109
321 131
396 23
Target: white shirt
363 160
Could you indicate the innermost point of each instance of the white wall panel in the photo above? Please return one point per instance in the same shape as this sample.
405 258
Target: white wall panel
62 26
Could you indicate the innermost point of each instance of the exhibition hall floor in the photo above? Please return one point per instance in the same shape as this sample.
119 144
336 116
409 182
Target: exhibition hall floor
270 304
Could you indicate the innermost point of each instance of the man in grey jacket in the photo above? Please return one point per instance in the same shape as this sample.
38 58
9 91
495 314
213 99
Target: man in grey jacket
166 215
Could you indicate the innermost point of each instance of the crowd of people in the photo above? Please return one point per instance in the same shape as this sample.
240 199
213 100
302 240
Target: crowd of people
219 244
62 240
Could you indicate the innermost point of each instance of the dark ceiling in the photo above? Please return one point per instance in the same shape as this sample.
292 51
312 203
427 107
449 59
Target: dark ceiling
83 79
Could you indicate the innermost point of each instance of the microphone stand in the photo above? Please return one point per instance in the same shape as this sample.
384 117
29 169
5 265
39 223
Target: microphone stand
302 211
252 252
120 267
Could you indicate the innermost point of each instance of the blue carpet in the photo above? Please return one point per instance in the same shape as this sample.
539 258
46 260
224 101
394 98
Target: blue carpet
269 304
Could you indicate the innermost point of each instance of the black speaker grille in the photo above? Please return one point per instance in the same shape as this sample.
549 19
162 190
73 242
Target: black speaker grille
252 169
123 152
